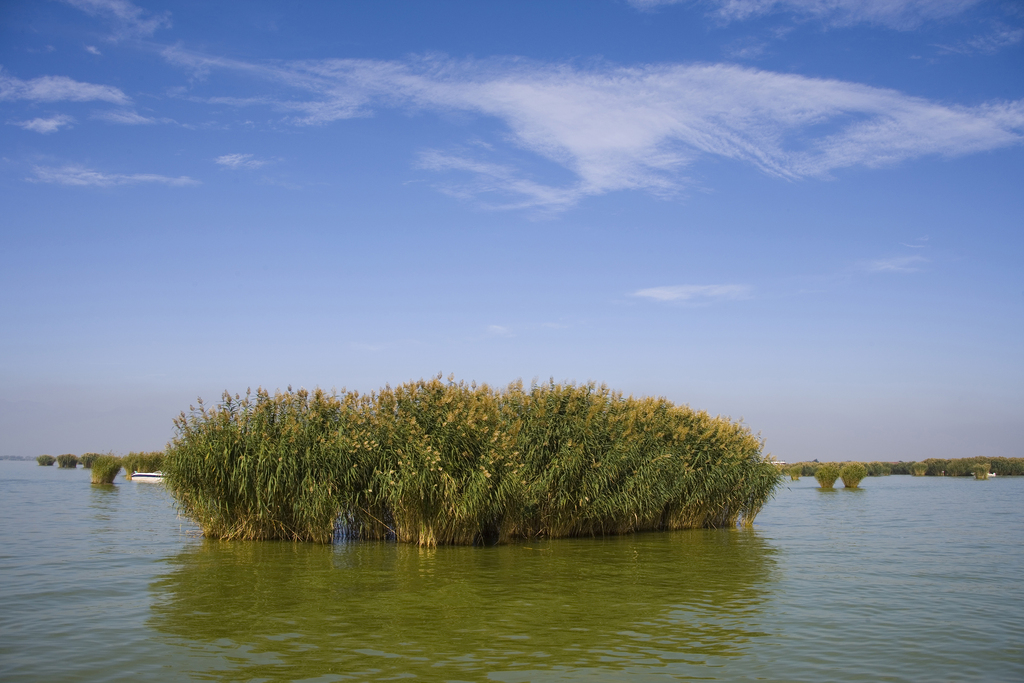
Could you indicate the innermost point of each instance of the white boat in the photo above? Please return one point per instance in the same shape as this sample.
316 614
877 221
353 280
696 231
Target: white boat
147 476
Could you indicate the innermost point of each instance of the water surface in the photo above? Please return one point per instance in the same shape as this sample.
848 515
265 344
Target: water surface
910 579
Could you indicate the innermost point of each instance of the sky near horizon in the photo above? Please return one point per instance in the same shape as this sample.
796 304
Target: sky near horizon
804 213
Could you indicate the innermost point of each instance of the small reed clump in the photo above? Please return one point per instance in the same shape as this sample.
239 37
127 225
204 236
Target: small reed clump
794 472
105 468
67 461
46 460
434 462
919 469
981 471
87 459
852 473
826 475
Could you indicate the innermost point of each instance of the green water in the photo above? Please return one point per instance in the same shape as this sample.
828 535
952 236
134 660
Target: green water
910 579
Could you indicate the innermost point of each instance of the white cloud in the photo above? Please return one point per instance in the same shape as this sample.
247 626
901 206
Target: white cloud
129 20
126 117
57 88
498 331
899 264
92 49
628 128
50 125
85 177
236 161
900 14
696 293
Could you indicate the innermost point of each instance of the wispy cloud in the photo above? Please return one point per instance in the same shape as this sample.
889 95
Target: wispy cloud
635 128
497 180
128 20
999 37
746 48
127 117
498 331
57 88
86 177
695 293
921 243
49 125
92 49
237 161
898 264
899 14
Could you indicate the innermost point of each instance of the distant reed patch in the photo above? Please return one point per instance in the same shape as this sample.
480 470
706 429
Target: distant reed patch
46 460
142 461
87 459
932 467
67 461
438 462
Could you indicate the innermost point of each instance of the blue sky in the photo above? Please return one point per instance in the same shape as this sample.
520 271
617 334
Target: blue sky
804 213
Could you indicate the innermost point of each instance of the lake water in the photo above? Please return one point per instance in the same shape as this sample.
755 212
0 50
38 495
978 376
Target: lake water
909 579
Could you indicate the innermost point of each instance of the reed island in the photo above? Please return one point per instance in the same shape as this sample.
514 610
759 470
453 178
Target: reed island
438 462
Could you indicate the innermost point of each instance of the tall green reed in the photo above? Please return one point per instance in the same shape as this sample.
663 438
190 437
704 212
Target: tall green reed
104 469
263 467
438 462
826 475
46 460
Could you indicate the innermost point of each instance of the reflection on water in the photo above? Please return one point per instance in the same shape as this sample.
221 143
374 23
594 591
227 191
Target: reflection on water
375 610
103 499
